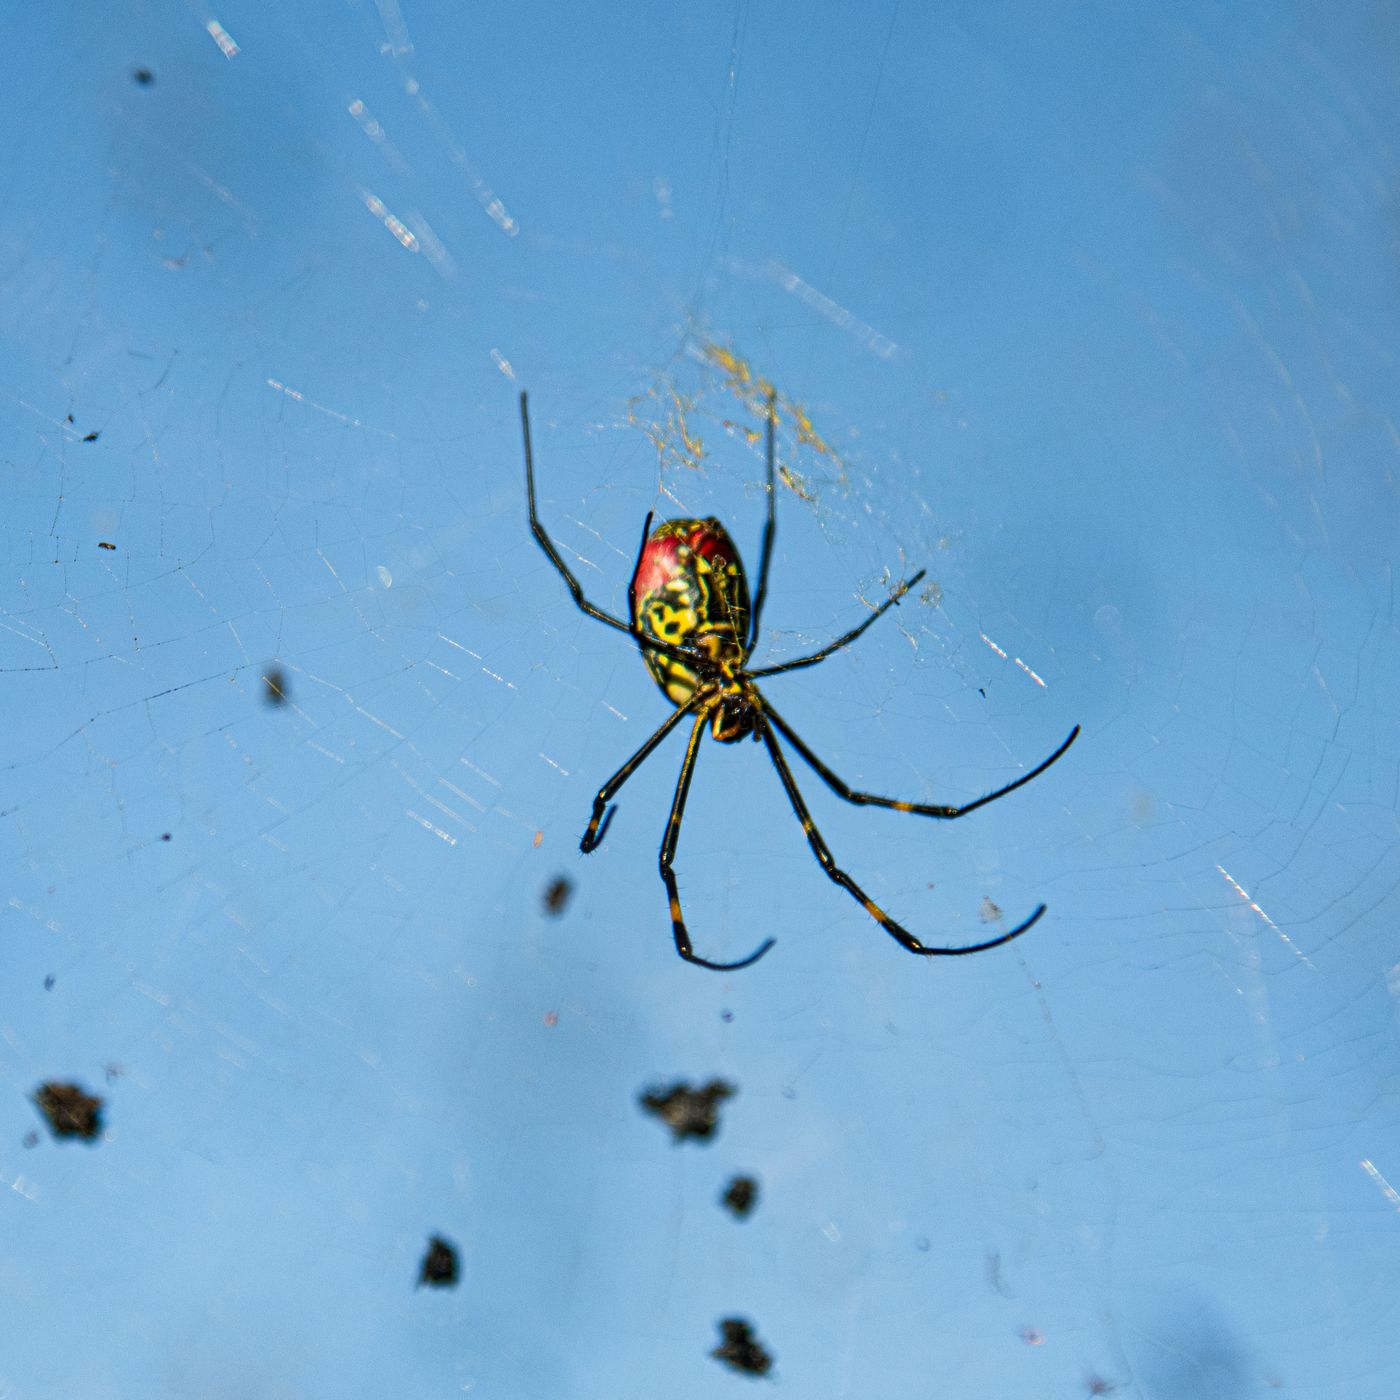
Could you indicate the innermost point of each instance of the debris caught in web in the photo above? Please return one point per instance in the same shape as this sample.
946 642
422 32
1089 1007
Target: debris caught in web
689 1113
70 1111
275 686
740 1197
557 895
439 1267
741 1350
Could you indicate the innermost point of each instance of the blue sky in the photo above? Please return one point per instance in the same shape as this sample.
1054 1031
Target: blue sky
1092 309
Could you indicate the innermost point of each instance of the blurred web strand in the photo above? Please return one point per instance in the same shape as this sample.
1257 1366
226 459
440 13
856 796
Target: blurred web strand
398 230
427 823
412 232
480 772
297 396
1016 659
1386 1189
485 670
67 429
375 134
431 827
1240 890
178 160
221 37
834 312
397 48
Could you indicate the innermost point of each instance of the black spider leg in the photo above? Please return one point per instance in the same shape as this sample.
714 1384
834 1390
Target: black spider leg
632 582
575 588
845 639
547 544
602 816
765 553
922 809
828 864
668 854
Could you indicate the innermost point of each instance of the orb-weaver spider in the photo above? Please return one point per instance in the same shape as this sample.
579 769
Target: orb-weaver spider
688 605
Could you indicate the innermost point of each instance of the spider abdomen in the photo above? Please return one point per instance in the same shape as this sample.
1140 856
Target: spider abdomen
690 591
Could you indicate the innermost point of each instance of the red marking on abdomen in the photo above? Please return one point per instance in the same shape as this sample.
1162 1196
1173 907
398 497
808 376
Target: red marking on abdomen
658 563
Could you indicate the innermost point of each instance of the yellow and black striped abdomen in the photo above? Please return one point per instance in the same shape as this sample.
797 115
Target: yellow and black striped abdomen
690 590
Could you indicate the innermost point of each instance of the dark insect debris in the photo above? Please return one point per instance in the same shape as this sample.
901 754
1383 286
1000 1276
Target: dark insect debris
741 1350
557 895
92 437
142 77
439 1267
275 686
70 1111
741 1196
689 1113
104 544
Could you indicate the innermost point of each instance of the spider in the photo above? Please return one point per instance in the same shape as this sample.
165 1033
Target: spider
688 605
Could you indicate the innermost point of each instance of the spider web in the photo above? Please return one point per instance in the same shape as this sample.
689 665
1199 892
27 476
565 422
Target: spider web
1091 319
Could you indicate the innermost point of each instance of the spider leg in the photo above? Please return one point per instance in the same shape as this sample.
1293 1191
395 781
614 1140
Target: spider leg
845 639
765 554
632 582
922 809
547 544
828 864
668 853
575 588
602 816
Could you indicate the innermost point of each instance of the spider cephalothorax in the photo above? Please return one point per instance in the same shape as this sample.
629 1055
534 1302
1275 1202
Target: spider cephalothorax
690 616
